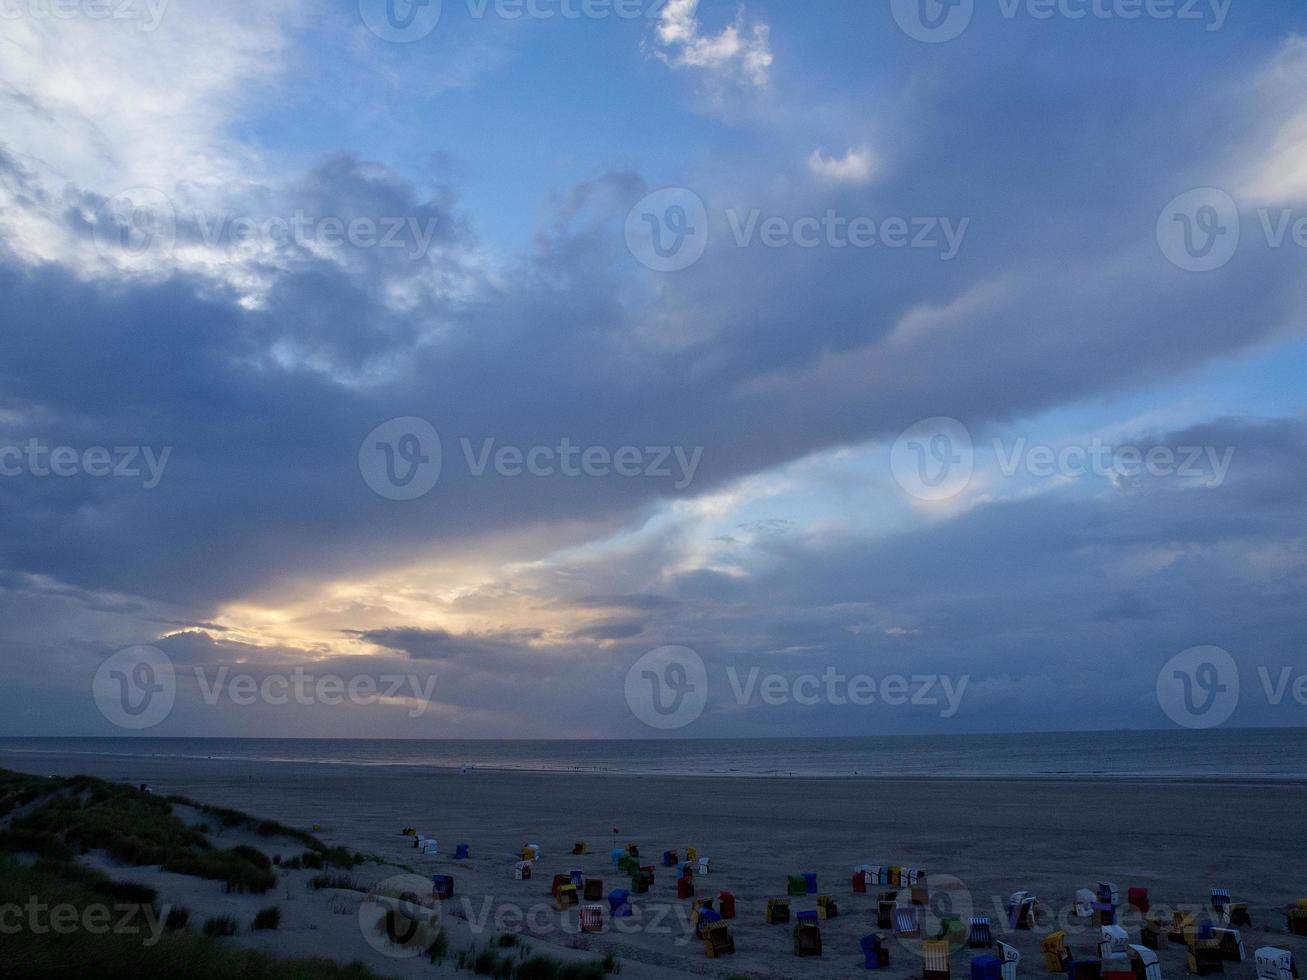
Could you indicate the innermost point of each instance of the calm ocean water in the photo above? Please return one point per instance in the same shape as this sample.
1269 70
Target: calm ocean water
1270 754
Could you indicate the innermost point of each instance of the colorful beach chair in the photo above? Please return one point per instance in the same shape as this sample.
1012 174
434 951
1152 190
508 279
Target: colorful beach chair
670 859
566 896
685 888
522 871
826 907
778 911
592 918
1230 943
1155 932
461 852
979 934
1112 941
442 886
796 885
1138 899
619 903
907 923
593 890
934 957
616 855
1056 955
986 968
1143 962
580 848
1297 916
726 905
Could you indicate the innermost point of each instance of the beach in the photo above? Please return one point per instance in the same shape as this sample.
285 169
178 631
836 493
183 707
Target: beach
977 840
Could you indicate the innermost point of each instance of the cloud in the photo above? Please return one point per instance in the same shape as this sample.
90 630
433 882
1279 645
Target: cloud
1277 174
857 166
739 51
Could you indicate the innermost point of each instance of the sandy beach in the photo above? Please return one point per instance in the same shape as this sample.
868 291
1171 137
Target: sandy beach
978 840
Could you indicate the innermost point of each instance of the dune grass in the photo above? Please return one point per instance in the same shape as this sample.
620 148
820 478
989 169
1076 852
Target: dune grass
128 940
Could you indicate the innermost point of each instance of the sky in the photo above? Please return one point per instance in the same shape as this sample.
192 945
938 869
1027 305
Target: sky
643 368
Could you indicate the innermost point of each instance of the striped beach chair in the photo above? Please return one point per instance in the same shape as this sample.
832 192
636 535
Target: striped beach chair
592 918
442 886
1220 898
778 911
697 909
907 923
1297 916
979 935
827 908
934 955
1275 964
1010 957
1109 894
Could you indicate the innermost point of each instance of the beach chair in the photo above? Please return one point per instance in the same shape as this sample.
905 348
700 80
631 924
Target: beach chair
1204 951
920 895
934 956
685 870
726 905
806 915
619 903
641 881
1143 963
986 968
875 951
697 908
704 866
914 876
577 876
566 897
1085 970
1180 922
1275 964
1084 903
1155 933
685 888
670 859
461 852
522 871
1230 943
810 882
1138 899
717 939
692 854
580 848
592 918
593 890
1010 957
1220 898
1109 894
409 832
807 939
1104 915
558 882
826 907
859 882
796 885
1112 941
442 886
1236 914
629 865
907 924
1056 955
616 856
1116 966
895 876
429 846
778 911
979 934
885 913
1297 916
530 854
632 850
1022 911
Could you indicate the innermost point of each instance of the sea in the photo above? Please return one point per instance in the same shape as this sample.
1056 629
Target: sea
1261 755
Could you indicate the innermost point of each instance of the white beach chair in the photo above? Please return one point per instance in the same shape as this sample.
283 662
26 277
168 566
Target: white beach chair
1085 899
1275 964
1113 942
1109 893
430 846
1231 944
521 870
1144 963
705 866
1010 957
